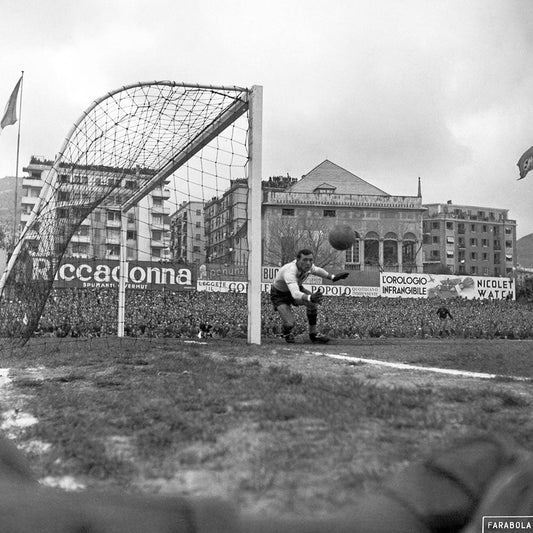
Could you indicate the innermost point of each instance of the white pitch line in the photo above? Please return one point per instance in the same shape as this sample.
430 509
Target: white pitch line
405 366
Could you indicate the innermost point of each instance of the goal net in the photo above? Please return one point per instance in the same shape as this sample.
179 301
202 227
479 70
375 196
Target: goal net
144 220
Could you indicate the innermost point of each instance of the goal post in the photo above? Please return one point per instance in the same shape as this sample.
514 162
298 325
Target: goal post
187 144
254 216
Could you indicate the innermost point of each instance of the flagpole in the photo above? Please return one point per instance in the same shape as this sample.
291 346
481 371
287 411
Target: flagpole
17 166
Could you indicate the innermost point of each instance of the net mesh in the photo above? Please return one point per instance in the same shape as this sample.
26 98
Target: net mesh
168 153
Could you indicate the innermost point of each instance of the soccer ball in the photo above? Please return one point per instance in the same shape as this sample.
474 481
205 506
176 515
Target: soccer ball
342 237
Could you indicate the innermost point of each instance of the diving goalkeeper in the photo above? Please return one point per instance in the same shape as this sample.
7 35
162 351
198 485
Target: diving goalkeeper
288 290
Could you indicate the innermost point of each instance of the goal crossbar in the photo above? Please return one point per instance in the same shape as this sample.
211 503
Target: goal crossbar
234 111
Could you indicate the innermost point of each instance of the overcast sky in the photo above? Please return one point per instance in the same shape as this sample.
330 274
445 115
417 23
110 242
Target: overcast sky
389 90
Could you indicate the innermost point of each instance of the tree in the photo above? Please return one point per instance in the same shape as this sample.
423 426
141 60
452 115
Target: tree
286 235
3 237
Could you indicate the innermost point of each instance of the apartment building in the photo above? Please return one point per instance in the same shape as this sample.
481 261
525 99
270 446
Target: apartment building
187 233
465 239
98 236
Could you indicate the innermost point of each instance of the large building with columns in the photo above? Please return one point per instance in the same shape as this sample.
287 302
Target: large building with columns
388 228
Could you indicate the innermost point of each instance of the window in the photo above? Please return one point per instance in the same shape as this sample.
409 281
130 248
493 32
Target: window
508 244
112 250
473 228
435 255
113 216
371 251
461 242
197 237
287 212
352 254
156 235
80 248
81 180
460 227
62 212
198 224
485 256
435 225
484 228
450 240
473 256
113 233
473 270
195 248
330 213
484 242
485 271
324 190
449 254
473 242
449 225
390 252
408 252
131 234
157 220
63 196
435 239
198 212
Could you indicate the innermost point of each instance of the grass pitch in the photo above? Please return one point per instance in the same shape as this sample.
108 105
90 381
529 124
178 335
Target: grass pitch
275 428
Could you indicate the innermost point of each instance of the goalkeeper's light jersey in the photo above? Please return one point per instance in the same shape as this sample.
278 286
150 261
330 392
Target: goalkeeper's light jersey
290 279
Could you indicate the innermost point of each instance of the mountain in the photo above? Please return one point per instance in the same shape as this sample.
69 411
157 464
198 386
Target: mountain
7 199
524 251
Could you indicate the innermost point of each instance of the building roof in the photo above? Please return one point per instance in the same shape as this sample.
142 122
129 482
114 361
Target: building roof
336 179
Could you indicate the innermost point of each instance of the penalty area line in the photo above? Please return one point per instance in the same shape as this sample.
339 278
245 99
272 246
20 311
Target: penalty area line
406 366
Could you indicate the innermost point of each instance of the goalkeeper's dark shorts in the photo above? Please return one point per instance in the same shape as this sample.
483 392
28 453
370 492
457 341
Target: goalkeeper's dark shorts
278 297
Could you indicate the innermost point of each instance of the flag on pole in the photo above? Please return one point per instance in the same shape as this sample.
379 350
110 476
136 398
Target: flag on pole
10 112
525 163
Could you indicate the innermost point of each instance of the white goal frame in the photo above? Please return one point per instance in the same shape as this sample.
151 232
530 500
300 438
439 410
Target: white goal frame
249 100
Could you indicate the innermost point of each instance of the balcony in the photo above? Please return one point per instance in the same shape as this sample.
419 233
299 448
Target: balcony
112 239
159 243
160 210
160 192
32 182
29 200
342 200
81 238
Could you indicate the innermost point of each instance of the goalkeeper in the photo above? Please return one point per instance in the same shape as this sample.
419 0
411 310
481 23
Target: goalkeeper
288 290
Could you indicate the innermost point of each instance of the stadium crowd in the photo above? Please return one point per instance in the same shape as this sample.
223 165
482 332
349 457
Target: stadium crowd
193 314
